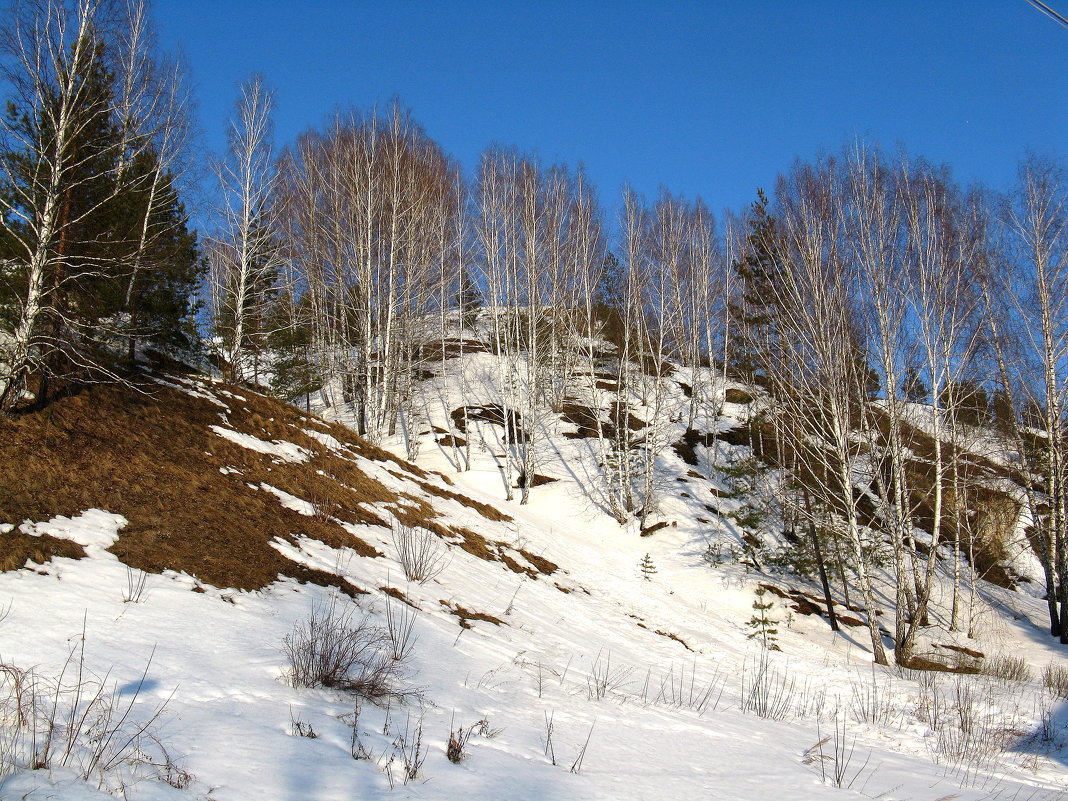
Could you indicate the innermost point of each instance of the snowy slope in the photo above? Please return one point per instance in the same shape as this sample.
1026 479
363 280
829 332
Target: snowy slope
648 686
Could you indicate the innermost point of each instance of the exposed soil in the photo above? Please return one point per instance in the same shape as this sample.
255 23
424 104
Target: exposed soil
496 414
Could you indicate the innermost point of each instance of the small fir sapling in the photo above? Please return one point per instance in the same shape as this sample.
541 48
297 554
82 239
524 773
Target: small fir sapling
761 623
647 567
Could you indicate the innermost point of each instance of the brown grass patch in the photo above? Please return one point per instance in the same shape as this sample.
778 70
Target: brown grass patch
465 615
960 649
484 509
736 395
922 663
670 635
153 459
16 549
543 565
393 592
515 567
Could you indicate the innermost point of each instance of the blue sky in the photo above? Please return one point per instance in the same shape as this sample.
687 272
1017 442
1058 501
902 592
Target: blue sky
703 98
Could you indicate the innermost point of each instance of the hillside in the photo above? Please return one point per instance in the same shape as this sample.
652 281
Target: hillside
161 545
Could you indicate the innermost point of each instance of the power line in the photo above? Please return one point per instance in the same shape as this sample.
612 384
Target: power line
1049 12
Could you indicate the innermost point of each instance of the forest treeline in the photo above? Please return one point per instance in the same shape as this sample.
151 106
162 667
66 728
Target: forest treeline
870 298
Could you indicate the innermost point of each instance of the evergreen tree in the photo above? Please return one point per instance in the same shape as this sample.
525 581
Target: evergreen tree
88 260
468 298
913 389
609 300
81 264
295 373
761 623
754 311
160 298
647 567
969 401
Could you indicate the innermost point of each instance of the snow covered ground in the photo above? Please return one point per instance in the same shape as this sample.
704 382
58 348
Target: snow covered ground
597 681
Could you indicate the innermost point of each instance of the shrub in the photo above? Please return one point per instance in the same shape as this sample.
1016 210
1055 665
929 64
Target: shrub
334 648
421 554
1055 677
75 721
604 678
400 625
766 692
1008 668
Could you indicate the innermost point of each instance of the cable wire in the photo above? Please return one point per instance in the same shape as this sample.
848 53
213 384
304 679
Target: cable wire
1049 12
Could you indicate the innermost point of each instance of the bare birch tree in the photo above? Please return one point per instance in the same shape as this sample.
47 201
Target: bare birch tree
243 256
1038 219
822 381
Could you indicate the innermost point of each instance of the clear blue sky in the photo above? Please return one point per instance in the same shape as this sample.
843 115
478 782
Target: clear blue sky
704 98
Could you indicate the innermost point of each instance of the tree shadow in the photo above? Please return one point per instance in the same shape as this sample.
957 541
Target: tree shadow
1050 737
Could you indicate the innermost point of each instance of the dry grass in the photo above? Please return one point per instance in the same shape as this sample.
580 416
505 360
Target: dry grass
465 615
1008 668
153 459
484 509
1055 678
16 549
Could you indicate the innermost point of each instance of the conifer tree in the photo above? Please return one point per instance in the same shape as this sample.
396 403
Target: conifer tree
753 311
647 567
294 371
761 623
77 161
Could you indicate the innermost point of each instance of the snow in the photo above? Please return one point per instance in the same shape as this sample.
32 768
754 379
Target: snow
286 451
290 501
324 439
94 528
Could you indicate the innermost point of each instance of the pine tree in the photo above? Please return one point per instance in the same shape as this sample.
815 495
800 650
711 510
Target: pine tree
61 177
755 309
294 371
647 567
913 389
153 296
761 623
609 300
73 208
468 298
